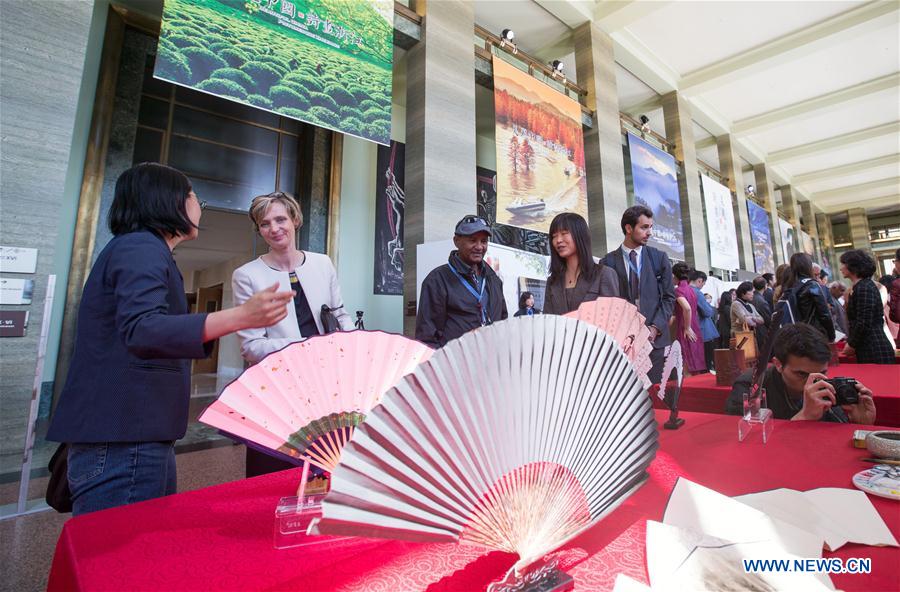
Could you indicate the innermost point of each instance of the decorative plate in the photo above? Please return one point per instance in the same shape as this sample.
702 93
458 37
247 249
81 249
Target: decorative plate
880 480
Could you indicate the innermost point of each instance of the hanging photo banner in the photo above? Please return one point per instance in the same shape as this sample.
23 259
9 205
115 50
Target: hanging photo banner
390 199
807 244
486 200
786 230
723 247
763 256
540 151
520 271
325 62
655 177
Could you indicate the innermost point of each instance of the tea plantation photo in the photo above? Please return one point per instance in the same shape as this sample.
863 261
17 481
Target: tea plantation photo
326 62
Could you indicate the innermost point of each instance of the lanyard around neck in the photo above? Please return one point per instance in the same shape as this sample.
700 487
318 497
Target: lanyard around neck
479 295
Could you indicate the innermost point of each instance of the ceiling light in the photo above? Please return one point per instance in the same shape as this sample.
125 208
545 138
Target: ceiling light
557 68
507 38
645 124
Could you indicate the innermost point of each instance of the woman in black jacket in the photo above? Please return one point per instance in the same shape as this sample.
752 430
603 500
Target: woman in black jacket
865 312
811 305
723 323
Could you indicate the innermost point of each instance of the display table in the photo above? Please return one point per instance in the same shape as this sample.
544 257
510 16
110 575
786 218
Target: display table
220 538
700 392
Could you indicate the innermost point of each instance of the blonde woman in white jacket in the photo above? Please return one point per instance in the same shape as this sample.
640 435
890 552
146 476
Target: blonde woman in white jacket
311 276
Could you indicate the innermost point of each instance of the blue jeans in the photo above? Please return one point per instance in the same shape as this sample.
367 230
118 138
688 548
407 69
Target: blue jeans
113 474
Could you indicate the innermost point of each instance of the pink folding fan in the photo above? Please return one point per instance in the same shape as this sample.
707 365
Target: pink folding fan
304 401
622 321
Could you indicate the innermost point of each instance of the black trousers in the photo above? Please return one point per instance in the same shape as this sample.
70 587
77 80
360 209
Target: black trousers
709 347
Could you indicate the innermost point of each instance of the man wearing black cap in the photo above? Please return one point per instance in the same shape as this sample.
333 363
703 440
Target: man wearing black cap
463 294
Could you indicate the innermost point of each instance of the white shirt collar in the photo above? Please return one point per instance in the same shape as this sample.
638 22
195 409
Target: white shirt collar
637 250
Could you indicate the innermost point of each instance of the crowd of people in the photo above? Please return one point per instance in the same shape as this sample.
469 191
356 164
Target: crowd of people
126 397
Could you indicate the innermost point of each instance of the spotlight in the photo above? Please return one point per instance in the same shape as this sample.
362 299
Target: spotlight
750 190
558 67
645 124
507 37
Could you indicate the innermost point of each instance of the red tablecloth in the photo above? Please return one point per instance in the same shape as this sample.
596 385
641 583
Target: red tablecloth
700 392
220 538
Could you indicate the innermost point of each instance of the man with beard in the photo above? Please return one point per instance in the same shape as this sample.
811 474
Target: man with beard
462 294
645 280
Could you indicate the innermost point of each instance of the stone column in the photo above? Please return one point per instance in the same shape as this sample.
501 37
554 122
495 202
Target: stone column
730 166
680 133
595 67
823 223
765 190
792 211
809 219
440 133
43 46
858 221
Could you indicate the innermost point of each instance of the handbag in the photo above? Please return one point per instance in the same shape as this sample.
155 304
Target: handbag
330 322
745 341
58 495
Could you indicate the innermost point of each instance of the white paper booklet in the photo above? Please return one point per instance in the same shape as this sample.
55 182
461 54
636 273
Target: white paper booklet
839 515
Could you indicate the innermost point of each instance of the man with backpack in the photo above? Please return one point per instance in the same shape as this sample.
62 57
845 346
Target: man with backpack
645 280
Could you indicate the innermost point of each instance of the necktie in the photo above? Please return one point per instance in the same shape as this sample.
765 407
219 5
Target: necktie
634 281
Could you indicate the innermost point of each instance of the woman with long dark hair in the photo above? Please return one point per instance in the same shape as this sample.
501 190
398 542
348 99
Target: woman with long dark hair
808 296
574 277
723 322
126 397
865 312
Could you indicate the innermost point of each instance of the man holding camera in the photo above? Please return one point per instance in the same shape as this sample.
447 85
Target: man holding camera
797 387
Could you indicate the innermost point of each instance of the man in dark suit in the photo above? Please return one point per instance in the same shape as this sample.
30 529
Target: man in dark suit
645 280
762 307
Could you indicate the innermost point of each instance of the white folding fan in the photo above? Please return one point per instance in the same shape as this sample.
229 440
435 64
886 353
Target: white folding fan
674 364
517 436
304 401
623 322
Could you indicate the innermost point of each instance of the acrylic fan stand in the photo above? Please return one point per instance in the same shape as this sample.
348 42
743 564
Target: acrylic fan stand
294 513
755 413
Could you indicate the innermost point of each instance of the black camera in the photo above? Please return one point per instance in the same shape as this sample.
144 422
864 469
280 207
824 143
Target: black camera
845 392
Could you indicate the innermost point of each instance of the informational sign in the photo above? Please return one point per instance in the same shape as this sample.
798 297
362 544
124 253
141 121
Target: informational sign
16 291
786 230
325 62
520 271
540 151
655 177
13 323
723 247
18 260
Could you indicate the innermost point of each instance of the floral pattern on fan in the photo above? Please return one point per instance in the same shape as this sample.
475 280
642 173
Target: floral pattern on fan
303 402
623 322
517 436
